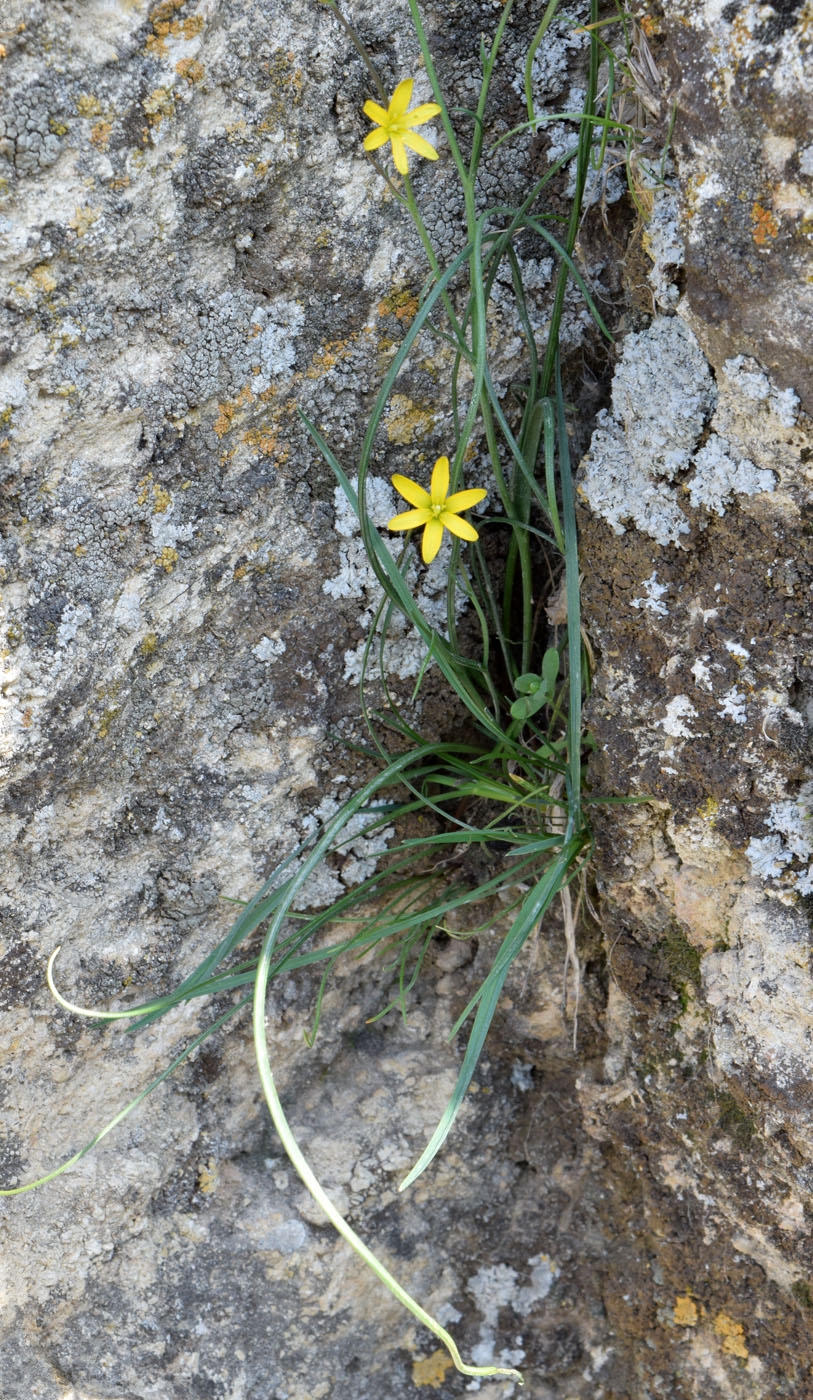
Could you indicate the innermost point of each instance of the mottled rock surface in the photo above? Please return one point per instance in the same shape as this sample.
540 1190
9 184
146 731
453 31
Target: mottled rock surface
192 247
696 536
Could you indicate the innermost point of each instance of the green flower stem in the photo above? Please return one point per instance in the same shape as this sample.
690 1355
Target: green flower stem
529 62
360 49
582 166
444 115
488 68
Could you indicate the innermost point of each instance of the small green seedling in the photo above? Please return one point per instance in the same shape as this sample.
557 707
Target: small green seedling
534 690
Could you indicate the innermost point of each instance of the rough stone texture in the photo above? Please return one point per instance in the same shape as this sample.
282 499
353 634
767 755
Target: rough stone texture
193 246
697 590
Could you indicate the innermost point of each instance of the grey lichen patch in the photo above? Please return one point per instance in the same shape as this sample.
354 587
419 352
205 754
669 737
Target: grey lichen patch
718 476
645 466
784 858
748 378
662 395
663 242
31 129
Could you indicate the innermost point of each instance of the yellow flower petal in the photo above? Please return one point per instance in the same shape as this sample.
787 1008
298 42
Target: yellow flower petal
417 143
400 100
374 139
464 500
424 113
459 527
432 536
410 520
411 491
375 113
399 155
440 482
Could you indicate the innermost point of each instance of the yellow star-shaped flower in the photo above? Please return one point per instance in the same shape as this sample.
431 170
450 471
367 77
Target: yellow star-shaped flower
435 509
396 125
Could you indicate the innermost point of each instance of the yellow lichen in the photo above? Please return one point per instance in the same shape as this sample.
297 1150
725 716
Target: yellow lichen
159 104
732 1334
167 559
685 1313
190 70
285 90
161 498
83 218
106 720
208 1177
407 422
227 410
148 644
87 105
100 134
431 1370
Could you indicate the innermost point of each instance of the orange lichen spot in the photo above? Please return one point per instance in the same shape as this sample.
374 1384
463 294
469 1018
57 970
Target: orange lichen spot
266 443
156 42
190 70
648 25
285 90
2 51
765 225
431 1370
83 218
240 572
167 559
685 1313
87 105
4 445
732 1335
222 423
27 718
327 357
402 304
80 550
100 134
164 10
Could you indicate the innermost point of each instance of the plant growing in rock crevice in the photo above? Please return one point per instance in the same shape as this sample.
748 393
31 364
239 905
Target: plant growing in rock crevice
518 768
